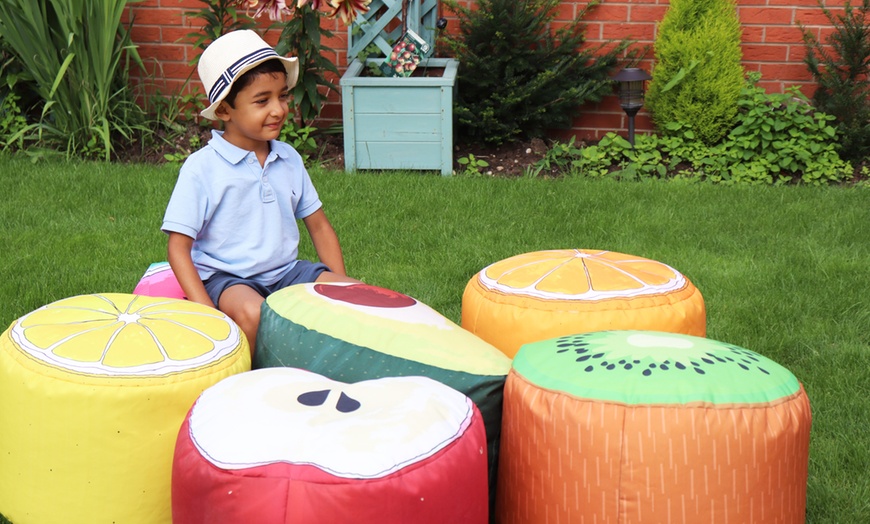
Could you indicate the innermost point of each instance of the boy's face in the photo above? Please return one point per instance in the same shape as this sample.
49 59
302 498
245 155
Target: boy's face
260 110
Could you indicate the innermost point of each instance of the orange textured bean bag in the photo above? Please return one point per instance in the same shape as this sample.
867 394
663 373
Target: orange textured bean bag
643 426
547 294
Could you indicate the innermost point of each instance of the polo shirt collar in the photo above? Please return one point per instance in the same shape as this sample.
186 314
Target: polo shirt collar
234 154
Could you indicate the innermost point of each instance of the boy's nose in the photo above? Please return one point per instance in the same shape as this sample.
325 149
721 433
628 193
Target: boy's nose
279 108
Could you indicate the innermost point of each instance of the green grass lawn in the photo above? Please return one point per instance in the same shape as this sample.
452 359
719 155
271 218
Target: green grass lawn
784 271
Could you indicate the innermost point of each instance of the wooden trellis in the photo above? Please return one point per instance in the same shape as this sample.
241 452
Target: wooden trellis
383 24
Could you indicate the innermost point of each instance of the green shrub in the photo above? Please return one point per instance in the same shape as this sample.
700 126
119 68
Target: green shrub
841 68
518 78
779 138
12 122
14 82
698 72
78 55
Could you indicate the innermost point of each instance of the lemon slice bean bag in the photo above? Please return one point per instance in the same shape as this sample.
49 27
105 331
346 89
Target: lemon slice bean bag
643 426
546 294
287 446
93 390
354 332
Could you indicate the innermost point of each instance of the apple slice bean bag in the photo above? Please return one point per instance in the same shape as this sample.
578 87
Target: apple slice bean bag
287 446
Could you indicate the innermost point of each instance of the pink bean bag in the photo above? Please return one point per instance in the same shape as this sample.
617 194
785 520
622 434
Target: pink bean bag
159 281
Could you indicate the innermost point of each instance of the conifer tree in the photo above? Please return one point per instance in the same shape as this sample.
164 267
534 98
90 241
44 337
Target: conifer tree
841 69
518 77
698 74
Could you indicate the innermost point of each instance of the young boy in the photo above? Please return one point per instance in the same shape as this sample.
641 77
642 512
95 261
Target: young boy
231 220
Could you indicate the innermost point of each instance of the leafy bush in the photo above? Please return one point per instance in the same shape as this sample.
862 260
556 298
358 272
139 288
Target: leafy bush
78 54
518 78
698 73
779 138
14 83
841 68
12 122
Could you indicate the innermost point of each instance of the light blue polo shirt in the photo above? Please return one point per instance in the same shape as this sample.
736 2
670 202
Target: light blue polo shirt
242 217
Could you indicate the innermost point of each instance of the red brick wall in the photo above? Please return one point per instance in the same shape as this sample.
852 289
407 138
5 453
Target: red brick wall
772 44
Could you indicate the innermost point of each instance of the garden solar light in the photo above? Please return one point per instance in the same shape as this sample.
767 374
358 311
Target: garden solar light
631 87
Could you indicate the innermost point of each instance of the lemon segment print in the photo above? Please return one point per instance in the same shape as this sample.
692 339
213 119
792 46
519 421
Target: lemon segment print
93 390
126 335
554 274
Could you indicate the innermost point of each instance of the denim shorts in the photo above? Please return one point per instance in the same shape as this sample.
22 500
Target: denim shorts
304 271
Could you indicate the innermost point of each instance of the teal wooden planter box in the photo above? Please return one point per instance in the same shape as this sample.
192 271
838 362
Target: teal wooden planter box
399 123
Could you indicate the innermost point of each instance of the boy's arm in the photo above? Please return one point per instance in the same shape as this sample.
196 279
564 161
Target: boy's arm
178 253
325 241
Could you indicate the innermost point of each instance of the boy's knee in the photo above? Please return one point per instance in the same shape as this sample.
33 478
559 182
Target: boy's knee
242 304
247 317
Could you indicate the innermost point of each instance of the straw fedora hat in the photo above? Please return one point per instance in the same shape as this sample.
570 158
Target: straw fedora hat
231 56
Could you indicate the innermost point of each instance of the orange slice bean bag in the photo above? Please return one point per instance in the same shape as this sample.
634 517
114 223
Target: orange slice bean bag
547 294
643 426
93 390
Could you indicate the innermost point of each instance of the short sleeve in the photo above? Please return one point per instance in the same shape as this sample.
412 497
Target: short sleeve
187 207
309 200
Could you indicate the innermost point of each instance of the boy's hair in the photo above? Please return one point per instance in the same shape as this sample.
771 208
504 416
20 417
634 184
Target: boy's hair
273 66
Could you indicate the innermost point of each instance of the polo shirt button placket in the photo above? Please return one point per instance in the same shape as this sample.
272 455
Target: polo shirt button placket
266 192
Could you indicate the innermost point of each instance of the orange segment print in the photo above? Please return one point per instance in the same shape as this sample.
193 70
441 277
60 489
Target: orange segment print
567 459
581 274
546 294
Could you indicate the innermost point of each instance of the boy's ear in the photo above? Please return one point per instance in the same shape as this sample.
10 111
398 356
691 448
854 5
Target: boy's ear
222 111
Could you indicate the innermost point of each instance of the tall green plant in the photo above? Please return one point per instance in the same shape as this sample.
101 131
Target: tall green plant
841 67
304 35
520 78
698 73
78 53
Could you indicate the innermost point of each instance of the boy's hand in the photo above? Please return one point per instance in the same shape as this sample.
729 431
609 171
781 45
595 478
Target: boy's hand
178 254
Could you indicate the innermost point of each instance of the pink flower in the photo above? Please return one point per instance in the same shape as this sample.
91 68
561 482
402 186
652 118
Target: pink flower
349 9
275 8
